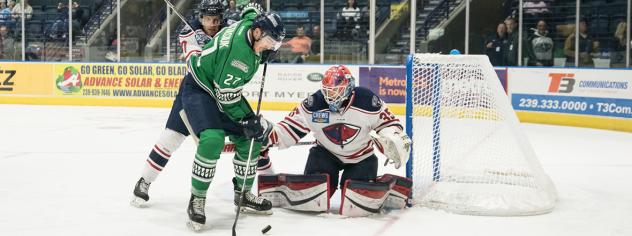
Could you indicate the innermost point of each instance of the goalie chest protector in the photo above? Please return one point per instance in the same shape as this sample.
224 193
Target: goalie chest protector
346 134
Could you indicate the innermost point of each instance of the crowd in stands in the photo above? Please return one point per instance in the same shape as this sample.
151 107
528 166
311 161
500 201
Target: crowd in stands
305 41
41 25
539 46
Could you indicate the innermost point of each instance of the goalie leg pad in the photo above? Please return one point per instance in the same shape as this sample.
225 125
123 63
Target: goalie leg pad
308 193
361 198
400 190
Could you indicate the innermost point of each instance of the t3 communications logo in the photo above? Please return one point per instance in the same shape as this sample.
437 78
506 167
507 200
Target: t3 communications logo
561 82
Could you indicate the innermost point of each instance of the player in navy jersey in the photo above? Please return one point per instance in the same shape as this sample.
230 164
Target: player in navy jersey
347 122
208 23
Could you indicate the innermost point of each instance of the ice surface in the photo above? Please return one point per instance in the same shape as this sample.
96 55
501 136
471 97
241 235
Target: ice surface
71 171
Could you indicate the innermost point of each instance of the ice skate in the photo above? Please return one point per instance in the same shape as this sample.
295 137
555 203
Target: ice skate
197 219
252 204
141 193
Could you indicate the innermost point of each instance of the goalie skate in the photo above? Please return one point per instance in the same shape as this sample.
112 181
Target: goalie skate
141 193
197 218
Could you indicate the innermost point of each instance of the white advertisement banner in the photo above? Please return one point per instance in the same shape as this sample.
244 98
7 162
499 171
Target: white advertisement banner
289 82
574 91
572 82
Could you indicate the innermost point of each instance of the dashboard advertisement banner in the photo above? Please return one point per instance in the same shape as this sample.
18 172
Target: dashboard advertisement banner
288 84
118 80
573 91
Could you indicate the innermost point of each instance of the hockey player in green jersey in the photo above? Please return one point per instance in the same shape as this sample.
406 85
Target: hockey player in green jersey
215 107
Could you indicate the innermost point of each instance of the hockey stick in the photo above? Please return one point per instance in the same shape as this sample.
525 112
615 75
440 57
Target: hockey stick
178 14
185 120
252 143
230 147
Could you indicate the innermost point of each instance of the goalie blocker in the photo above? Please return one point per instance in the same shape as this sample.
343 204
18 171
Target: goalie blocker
310 193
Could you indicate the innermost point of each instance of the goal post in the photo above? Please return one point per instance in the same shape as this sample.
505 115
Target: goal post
469 155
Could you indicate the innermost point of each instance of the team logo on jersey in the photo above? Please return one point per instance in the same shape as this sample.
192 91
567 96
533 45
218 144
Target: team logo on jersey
320 117
239 65
69 81
309 101
341 133
376 101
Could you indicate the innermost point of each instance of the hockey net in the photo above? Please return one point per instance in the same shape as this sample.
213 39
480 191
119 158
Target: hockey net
469 155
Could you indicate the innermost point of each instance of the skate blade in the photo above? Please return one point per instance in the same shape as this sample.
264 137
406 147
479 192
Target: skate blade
138 202
195 226
251 211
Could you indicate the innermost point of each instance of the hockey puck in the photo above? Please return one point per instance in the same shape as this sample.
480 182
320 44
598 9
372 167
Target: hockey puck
266 229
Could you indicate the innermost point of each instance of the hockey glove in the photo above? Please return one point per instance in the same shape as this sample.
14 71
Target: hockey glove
258 128
396 145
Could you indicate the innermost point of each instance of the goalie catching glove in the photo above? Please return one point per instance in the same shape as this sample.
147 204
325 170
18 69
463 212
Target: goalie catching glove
257 127
395 145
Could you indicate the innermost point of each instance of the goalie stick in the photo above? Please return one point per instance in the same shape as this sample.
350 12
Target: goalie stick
230 147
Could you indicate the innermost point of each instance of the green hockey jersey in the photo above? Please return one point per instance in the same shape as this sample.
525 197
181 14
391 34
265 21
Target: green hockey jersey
226 64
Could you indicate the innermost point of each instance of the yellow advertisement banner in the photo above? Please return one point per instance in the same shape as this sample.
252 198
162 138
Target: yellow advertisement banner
140 81
25 79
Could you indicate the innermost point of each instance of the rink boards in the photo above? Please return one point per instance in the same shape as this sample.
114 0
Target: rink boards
597 98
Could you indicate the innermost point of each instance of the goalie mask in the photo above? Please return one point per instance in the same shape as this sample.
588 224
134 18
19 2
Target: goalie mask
337 86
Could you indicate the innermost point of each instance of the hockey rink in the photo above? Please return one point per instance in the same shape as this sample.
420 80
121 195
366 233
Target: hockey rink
70 170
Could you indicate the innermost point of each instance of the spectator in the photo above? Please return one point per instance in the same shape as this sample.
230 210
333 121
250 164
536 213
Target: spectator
350 12
78 16
7 44
300 44
496 46
17 11
232 14
315 48
540 47
513 40
618 47
349 18
5 13
588 47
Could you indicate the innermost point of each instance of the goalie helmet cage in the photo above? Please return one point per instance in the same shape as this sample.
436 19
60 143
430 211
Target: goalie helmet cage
469 155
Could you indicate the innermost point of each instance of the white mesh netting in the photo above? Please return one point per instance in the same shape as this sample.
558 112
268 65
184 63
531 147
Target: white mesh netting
469 154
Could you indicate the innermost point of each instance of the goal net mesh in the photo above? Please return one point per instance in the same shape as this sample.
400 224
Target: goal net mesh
469 155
